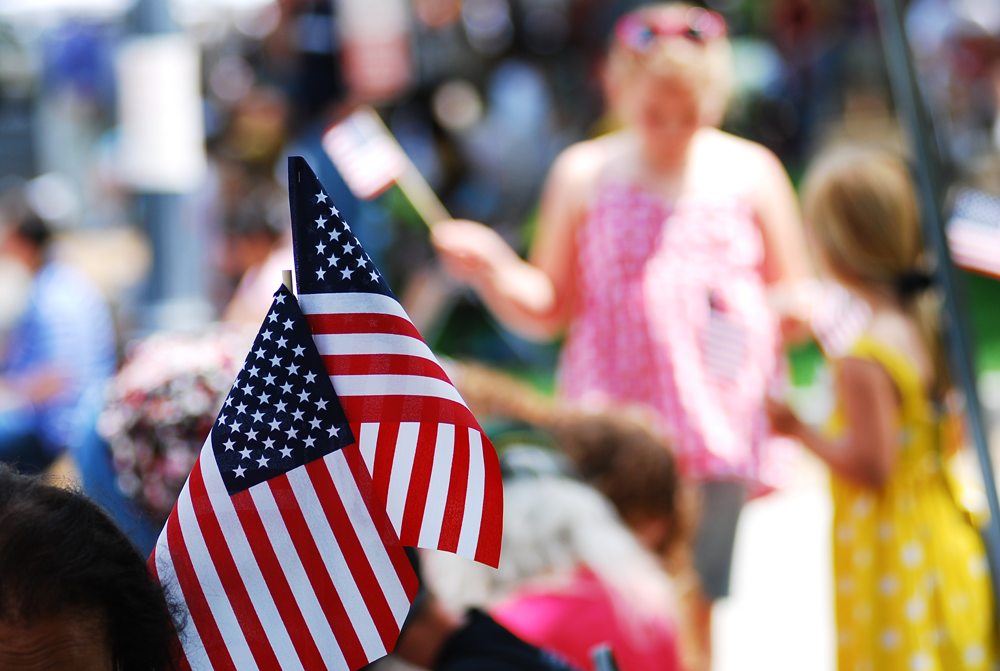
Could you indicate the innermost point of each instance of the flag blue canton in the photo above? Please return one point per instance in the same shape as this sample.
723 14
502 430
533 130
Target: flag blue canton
328 257
977 207
282 411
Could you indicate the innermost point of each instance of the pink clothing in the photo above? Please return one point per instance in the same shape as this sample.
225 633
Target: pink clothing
572 619
671 313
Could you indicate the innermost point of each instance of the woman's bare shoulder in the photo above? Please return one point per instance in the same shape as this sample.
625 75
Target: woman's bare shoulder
746 152
725 161
581 164
901 334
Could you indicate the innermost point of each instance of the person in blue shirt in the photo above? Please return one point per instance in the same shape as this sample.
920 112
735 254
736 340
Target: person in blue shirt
61 348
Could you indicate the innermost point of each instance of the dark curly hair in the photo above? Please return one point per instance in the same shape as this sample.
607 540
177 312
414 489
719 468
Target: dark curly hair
59 552
624 460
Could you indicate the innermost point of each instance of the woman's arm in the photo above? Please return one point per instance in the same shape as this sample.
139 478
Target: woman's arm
867 454
786 257
532 298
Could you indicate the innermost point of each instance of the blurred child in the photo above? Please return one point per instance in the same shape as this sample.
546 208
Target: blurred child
571 576
621 455
629 463
654 251
912 589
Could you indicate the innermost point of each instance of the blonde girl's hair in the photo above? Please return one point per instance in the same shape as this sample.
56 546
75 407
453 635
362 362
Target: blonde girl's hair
680 42
861 213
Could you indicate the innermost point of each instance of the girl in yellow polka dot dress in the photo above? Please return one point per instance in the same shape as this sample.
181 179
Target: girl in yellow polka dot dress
912 588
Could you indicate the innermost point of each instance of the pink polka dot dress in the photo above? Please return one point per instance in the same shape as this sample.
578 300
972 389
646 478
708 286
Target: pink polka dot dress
671 313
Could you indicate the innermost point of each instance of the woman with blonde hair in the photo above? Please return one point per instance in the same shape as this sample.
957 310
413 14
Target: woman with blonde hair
912 589
655 248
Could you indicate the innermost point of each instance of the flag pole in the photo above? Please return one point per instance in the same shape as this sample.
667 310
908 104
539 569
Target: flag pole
928 173
421 196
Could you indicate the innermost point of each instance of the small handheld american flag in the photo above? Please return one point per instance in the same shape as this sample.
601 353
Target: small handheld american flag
364 152
276 548
370 160
433 469
974 232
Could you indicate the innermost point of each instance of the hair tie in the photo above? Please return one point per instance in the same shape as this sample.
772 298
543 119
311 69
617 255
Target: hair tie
912 283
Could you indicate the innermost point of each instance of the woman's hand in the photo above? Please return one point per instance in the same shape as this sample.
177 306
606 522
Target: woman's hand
793 302
521 295
783 420
532 297
469 251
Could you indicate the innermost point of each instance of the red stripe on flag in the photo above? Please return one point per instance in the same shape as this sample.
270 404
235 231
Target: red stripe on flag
277 583
397 555
383 364
420 480
319 577
194 599
454 510
491 530
229 575
389 409
354 554
385 452
361 323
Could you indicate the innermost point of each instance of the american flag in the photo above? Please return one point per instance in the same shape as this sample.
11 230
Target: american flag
276 548
723 342
432 466
838 318
365 153
974 232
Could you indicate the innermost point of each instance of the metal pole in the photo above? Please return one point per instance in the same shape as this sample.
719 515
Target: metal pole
175 292
928 175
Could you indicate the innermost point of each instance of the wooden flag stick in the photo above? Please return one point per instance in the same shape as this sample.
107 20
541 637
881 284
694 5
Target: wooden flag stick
421 196
415 187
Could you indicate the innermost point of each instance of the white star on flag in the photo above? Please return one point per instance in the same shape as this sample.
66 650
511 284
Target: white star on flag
281 558
398 400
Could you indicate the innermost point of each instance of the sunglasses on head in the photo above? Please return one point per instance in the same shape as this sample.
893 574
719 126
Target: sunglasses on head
637 32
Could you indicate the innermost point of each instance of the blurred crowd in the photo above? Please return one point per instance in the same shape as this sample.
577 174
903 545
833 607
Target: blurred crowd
128 297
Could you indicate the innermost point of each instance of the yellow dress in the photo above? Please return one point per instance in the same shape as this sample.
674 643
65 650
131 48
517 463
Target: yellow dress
912 588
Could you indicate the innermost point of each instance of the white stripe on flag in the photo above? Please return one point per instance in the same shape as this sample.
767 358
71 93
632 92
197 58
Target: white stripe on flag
298 580
402 468
395 385
437 489
211 585
371 343
367 442
246 564
194 648
368 535
468 540
350 303
336 564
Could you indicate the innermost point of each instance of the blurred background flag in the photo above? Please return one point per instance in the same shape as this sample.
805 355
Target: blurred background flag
275 547
366 155
370 160
433 467
974 232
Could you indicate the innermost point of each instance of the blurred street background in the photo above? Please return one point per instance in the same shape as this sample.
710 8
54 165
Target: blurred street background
151 136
